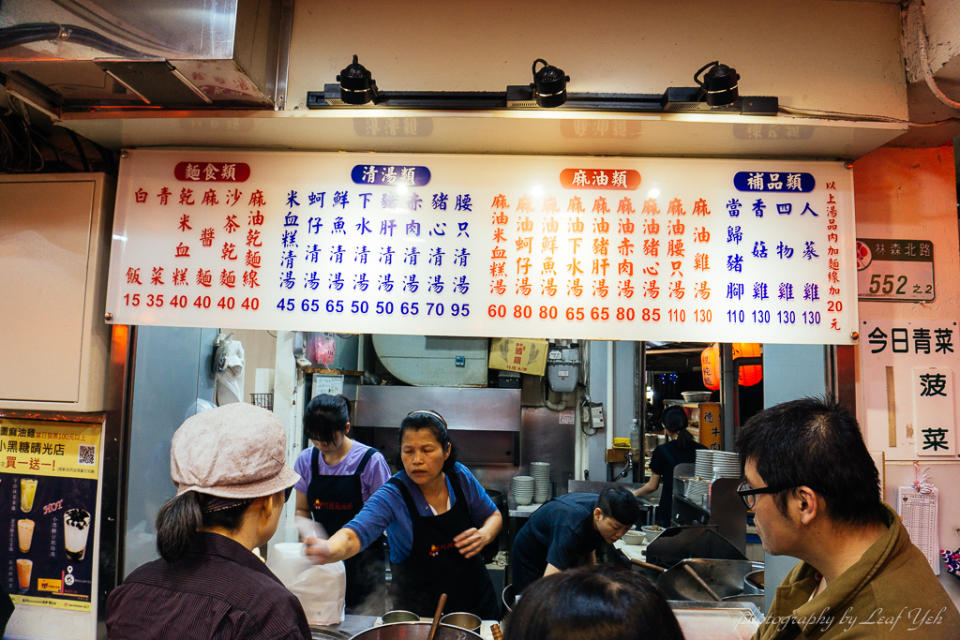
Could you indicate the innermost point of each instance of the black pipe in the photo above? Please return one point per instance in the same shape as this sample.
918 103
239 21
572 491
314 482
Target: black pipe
40 31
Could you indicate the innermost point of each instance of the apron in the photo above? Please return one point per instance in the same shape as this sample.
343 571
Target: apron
664 510
435 566
333 501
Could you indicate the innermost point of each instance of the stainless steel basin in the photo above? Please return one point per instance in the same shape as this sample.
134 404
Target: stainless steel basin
415 631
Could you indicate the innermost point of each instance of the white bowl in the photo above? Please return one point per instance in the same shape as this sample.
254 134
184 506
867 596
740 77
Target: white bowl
633 537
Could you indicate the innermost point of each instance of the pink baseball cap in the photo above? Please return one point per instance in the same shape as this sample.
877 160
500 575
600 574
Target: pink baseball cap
234 451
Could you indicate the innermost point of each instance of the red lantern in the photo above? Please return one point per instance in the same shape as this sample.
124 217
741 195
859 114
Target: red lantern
710 367
750 374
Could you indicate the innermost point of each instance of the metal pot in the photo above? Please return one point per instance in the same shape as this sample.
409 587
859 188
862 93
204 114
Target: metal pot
463 620
399 615
415 631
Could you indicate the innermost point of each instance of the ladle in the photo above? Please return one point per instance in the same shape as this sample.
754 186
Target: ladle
436 616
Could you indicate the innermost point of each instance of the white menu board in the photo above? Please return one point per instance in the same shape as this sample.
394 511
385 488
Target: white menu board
520 246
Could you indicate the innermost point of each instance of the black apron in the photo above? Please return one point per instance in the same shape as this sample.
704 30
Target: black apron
333 501
435 566
664 513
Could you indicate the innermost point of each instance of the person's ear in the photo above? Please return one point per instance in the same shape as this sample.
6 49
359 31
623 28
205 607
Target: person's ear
807 504
447 450
346 429
269 505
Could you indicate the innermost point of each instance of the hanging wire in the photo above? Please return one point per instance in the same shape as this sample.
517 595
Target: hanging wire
917 8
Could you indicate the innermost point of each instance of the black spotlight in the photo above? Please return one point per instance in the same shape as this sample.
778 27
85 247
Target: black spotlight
549 85
357 85
720 85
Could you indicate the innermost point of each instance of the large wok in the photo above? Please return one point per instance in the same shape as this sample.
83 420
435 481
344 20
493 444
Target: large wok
415 631
724 577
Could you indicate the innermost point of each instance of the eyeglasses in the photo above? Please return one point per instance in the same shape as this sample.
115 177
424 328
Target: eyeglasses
749 496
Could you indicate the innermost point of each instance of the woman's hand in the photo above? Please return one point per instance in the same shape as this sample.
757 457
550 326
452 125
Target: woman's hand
318 550
341 545
470 542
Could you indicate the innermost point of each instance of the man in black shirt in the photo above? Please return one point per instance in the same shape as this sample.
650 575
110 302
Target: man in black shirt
568 531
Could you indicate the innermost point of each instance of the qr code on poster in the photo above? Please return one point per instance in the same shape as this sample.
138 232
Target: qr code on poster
87 454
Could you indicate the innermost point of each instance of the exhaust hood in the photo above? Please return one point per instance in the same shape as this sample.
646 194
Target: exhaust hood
85 55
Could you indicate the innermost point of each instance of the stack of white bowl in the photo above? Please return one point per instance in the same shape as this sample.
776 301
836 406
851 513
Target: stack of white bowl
703 467
541 481
697 491
726 464
523 489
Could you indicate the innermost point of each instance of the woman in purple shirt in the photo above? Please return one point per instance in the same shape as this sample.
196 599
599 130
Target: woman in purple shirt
338 475
438 518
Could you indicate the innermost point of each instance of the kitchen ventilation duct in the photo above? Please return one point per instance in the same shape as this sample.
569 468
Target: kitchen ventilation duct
79 55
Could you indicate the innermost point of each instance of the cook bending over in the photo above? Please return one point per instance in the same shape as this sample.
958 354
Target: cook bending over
569 530
437 517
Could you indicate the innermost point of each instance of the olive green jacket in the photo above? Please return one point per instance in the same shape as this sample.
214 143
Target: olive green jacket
890 593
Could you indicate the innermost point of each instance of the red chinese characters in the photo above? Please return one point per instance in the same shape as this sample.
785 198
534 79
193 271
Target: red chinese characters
212 171
834 303
621 179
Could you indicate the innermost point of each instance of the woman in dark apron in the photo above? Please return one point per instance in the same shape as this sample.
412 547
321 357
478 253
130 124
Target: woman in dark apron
339 474
438 519
681 448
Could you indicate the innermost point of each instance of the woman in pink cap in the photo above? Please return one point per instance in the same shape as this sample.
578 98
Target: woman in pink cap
232 481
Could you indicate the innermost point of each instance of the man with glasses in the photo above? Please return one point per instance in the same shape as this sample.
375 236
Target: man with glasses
815 494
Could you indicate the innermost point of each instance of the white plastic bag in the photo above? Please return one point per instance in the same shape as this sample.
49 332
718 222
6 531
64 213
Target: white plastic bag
319 587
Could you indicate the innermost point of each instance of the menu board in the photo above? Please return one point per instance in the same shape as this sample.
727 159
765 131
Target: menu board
48 493
514 246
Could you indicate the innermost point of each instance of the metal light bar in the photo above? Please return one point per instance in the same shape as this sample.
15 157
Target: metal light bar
673 100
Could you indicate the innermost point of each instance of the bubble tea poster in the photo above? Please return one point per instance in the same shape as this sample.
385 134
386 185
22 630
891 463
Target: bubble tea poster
48 496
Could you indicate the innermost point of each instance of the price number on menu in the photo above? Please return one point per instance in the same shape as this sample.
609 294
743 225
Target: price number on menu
379 308
157 301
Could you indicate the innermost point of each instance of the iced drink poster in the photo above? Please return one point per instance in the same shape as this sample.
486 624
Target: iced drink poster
48 493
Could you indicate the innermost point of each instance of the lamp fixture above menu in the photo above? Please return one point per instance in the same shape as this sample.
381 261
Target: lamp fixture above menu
357 85
721 84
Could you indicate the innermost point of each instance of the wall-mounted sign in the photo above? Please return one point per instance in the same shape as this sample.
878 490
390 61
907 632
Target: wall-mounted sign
895 270
908 386
596 248
48 496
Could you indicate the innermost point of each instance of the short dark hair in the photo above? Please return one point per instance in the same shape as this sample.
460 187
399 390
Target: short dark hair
675 421
816 443
594 602
326 415
619 503
436 424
